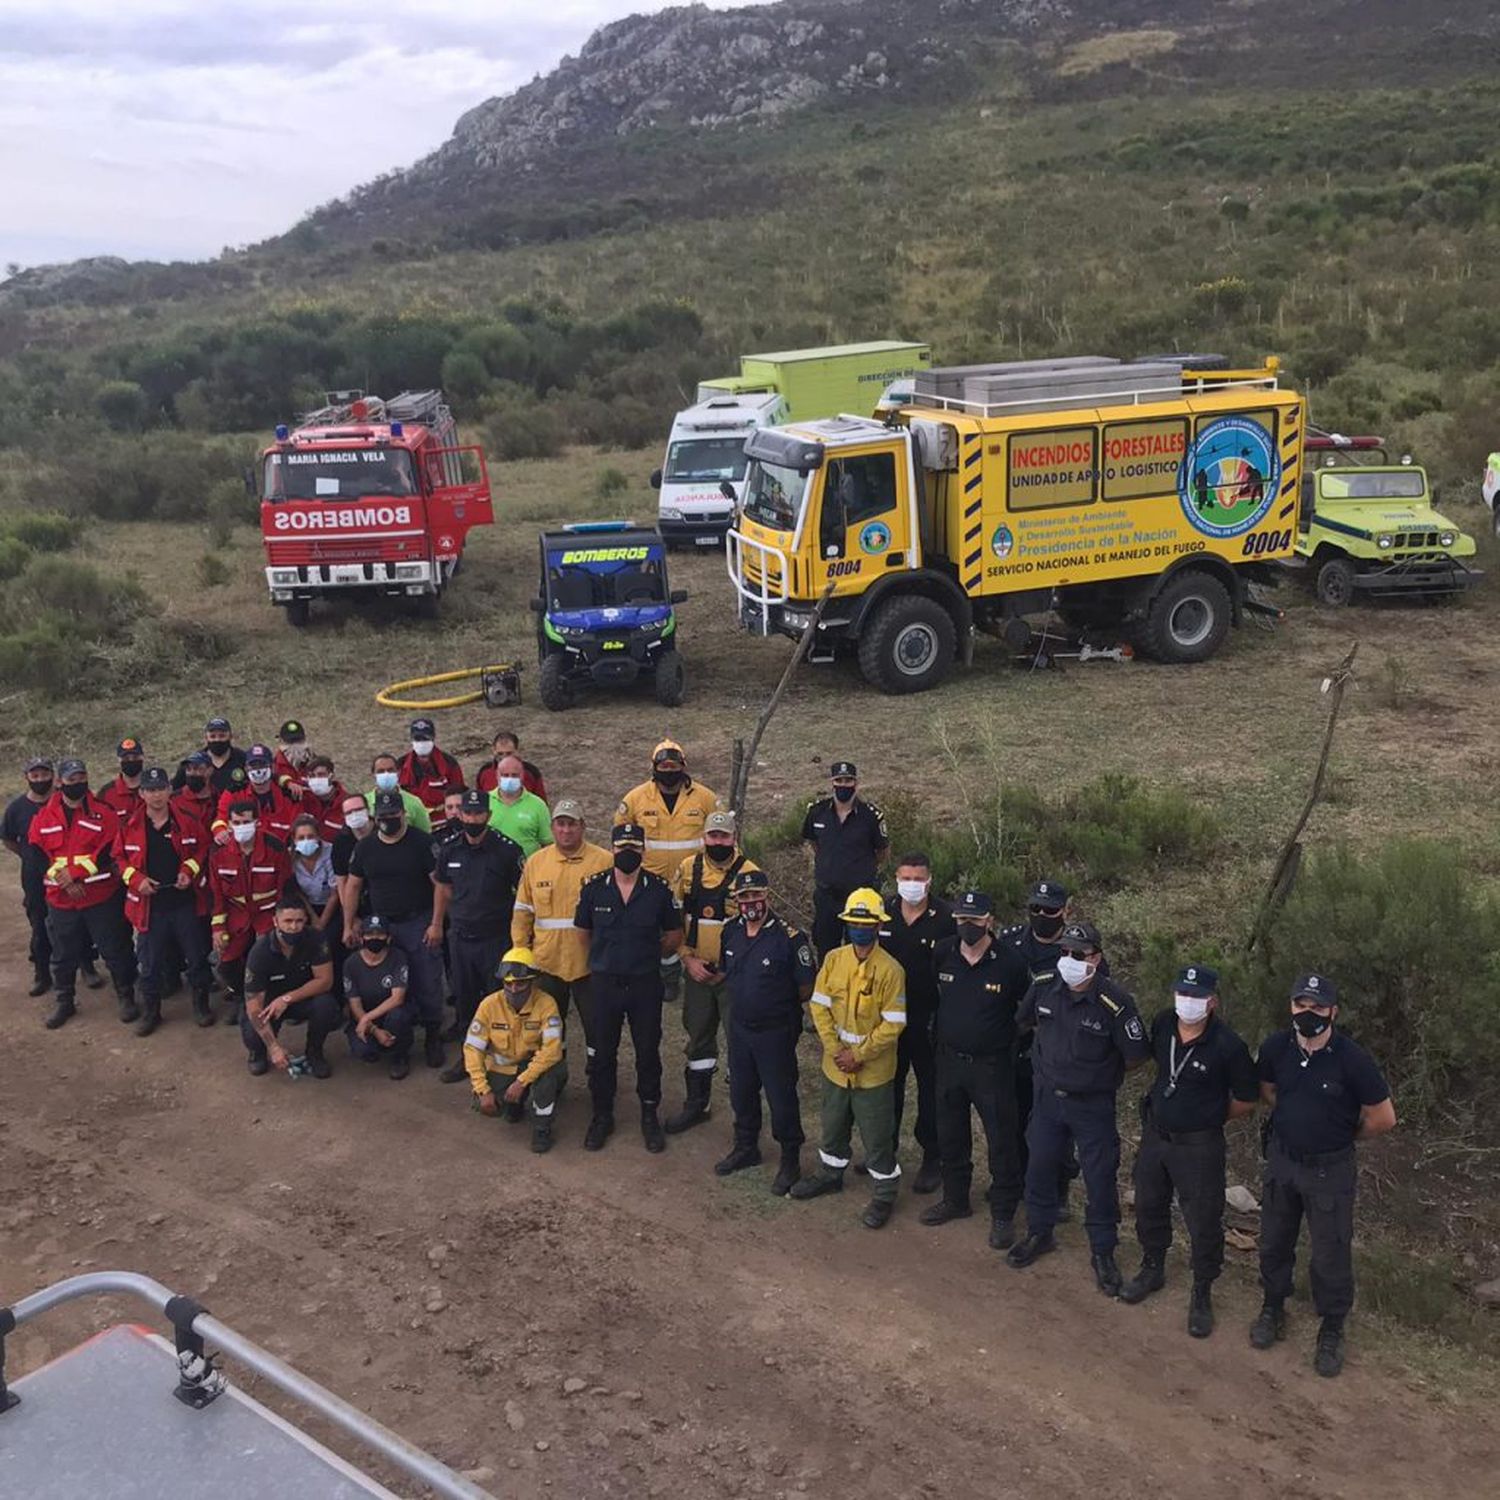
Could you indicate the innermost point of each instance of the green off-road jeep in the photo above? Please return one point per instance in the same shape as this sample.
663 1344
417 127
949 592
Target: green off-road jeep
1368 526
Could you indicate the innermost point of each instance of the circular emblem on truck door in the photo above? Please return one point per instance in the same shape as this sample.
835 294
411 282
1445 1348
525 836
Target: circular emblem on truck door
876 537
1002 542
1229 477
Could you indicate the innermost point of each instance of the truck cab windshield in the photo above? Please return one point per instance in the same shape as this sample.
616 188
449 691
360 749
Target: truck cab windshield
774 495
333 474
1356 484
706 461
631 587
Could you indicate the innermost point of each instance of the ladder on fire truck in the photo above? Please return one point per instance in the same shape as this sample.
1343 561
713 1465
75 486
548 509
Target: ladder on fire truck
426 408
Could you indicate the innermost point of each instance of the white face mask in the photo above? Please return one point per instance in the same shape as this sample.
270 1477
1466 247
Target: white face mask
245 832
510 784
1190 1008
1074 971
308 847
385 781
319 786
357 820
912 890
259 776
423 748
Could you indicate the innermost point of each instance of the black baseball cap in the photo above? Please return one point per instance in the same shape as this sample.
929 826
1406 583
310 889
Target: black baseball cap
70 765
973 904
372 926
259 755
154 779
1198 981
1048 895
219 725
128 746
475 800
389 802
291 733
1316 987
628 833
1081 936
197 758
423 729
843 768
37 763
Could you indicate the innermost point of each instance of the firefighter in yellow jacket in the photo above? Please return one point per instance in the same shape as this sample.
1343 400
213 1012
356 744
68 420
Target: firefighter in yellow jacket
515 1045
859 1007
673 809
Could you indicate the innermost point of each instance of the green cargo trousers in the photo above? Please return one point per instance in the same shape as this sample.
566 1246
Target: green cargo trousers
541 1096
874 1111
705 1008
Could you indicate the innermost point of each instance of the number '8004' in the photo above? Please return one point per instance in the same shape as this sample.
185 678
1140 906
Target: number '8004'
1267 541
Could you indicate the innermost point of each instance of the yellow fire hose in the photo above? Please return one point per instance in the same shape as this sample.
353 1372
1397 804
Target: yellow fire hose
500 683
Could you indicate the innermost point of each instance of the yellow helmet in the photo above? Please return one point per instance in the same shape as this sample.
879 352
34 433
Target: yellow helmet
518 963
668 750
864 906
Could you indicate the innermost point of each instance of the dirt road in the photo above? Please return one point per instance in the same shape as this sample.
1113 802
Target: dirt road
732 1344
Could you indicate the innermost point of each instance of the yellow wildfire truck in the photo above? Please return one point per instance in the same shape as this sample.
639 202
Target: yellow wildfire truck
1147 494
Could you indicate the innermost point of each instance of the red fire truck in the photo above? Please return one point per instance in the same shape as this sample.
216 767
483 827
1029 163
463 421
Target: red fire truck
368 498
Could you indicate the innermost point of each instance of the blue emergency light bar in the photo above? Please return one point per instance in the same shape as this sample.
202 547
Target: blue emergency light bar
281 432
596 528
397 429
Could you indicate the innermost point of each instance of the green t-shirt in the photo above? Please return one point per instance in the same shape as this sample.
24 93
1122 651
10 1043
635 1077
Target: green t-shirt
525 821
416 814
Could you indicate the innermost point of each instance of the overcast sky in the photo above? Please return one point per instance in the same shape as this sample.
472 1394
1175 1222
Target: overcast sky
159 129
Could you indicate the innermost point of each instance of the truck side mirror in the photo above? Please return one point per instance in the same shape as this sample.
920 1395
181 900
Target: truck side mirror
535 606
726 489
679 596
250 483
655 480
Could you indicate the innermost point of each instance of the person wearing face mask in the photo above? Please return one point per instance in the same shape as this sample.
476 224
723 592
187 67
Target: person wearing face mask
918 924
385 774
672 808
849 843
518 814
1088 1033
1325 1093
428 773
513 1049
288 977
246 877
274 810
381 1025
1204 1078
123 794
15 828
358 824
162 853
769 973
980 982
195 795
477 873
398 865
75 834
859 1008
223 756
632 920
293 758
323 796
313 872
508 742
703 885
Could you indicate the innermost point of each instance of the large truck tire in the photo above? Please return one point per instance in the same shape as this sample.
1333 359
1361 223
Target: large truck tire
671 681
907 645
298 613
553 687
1334 584
1188 619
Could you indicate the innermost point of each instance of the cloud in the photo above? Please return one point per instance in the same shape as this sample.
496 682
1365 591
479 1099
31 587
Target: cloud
169 130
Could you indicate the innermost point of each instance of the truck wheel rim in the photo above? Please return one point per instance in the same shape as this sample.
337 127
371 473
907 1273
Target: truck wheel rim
1191 621
916 650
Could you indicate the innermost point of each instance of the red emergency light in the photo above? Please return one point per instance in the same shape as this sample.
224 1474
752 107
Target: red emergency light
1325 441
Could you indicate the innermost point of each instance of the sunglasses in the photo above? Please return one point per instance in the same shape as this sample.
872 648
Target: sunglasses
1045 911
1082 953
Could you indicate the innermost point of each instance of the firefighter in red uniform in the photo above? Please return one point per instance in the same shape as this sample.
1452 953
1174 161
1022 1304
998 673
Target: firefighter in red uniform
274 810
162 852
508 742
197 797
428 773
123 795
76 833
323 796
245 878
293 757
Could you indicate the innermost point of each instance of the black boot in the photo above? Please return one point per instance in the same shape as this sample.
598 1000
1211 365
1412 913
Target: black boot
1002 1229
742 1154
944 1209
1329 1359
816 1185
699 1084
1269 1325
601 1127
41 982
91 976
1106 1273
651 1131
129 1010
1033 1247
317 1064
63 1011
150 1017
929 1174
1201 1310
1151 1277
877 1213
789 1173
456 1074
203 1012
541 1136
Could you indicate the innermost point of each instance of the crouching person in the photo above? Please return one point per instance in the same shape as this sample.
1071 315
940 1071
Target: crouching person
514 1049
288 977
381 1024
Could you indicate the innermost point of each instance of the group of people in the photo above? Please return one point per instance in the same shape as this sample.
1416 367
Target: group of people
367 910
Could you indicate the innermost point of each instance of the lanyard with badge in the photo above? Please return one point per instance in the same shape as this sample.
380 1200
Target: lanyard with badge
1174 1068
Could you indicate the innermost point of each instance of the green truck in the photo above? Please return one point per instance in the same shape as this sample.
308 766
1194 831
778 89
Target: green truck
1368 527
817 383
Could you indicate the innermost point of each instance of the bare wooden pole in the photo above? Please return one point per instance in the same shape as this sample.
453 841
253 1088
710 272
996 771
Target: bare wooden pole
1289 861
740 788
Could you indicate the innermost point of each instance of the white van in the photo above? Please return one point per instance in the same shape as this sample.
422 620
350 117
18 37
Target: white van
705 452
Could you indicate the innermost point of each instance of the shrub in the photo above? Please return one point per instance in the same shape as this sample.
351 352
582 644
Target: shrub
14 555
42 531
522 428
123 404
213 571
610 482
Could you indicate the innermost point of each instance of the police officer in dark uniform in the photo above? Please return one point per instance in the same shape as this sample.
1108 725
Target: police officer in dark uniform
919 922
633 923
1325 1093
769 973
1204 1078
980 983
1037 940
476 875
849 842
224 758
1088 1032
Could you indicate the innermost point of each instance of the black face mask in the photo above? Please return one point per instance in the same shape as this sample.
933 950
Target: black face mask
132 767
288 939
1046 927
40 788
627 861
1310 1024
844 793
754 911
375 945
474 832
195 783
75 791
390 826
217 748
721 854
971 933
668 781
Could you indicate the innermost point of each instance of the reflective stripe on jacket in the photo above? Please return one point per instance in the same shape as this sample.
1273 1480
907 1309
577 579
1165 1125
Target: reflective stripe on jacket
669 835
546 900
861 1006
502 1039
